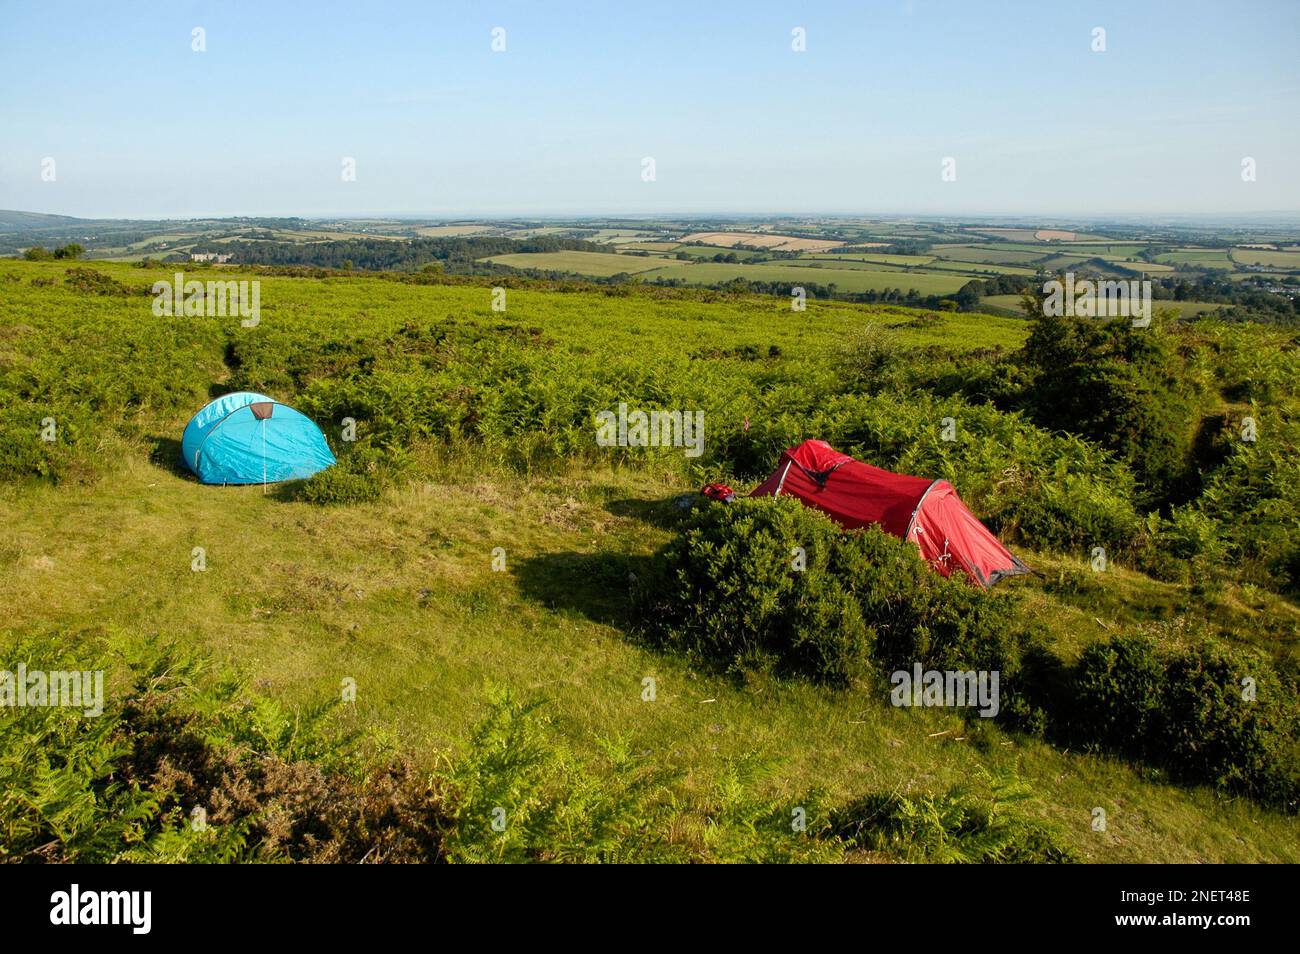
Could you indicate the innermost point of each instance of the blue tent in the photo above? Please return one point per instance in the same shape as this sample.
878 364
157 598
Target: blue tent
247 438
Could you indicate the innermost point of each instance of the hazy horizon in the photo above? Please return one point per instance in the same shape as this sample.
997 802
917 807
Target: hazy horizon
260 123
1271 218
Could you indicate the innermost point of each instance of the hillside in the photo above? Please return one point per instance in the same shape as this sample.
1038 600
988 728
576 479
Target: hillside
475 433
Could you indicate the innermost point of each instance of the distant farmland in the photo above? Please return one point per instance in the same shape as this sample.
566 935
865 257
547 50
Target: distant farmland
1185 309
1197 258
995 254
442 231
597 264
1284 260
1039 235
780 243
845 279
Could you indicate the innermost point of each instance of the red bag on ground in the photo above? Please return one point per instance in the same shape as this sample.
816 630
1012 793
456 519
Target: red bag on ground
718 492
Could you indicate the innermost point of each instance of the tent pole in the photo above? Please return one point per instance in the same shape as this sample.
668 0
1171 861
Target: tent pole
781 483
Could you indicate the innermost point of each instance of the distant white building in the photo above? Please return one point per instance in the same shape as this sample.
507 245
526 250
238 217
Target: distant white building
218 257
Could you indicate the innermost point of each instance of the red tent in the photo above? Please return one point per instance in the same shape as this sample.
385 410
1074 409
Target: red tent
927 512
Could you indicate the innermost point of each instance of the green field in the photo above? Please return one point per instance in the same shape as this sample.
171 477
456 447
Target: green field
981 269
709 251
870 259
1197 258
579 263
1287 261
845 279
991 255
651 246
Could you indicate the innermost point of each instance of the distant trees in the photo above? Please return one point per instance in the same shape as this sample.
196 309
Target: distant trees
39 253
455 255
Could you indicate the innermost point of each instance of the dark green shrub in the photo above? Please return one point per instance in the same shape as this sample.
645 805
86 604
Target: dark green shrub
360 476
1190 709
1122 387
1117 692
340 485
93 282
1211 730
727 591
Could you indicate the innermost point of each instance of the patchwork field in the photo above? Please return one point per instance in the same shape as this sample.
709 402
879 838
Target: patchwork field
846 279
580 263
440 231
783 243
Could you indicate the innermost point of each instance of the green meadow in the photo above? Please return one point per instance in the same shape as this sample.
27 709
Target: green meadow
580 263
846 279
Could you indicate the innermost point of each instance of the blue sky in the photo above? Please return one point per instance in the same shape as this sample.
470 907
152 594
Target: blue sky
140 125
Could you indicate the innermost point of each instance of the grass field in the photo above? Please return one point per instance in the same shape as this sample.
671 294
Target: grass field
764 240
981 269
991 255
443 231
871 259
401 594
941 271
579 263
1197 258
846 279
651 246
1287 261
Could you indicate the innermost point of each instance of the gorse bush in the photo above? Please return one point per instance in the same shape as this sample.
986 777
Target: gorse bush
769 583
1207 712
360 476
1121 387
727 591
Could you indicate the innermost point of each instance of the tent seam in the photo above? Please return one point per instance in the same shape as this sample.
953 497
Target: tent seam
911 524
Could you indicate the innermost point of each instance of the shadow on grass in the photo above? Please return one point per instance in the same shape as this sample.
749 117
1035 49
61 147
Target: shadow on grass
667 513
166 453
600 586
